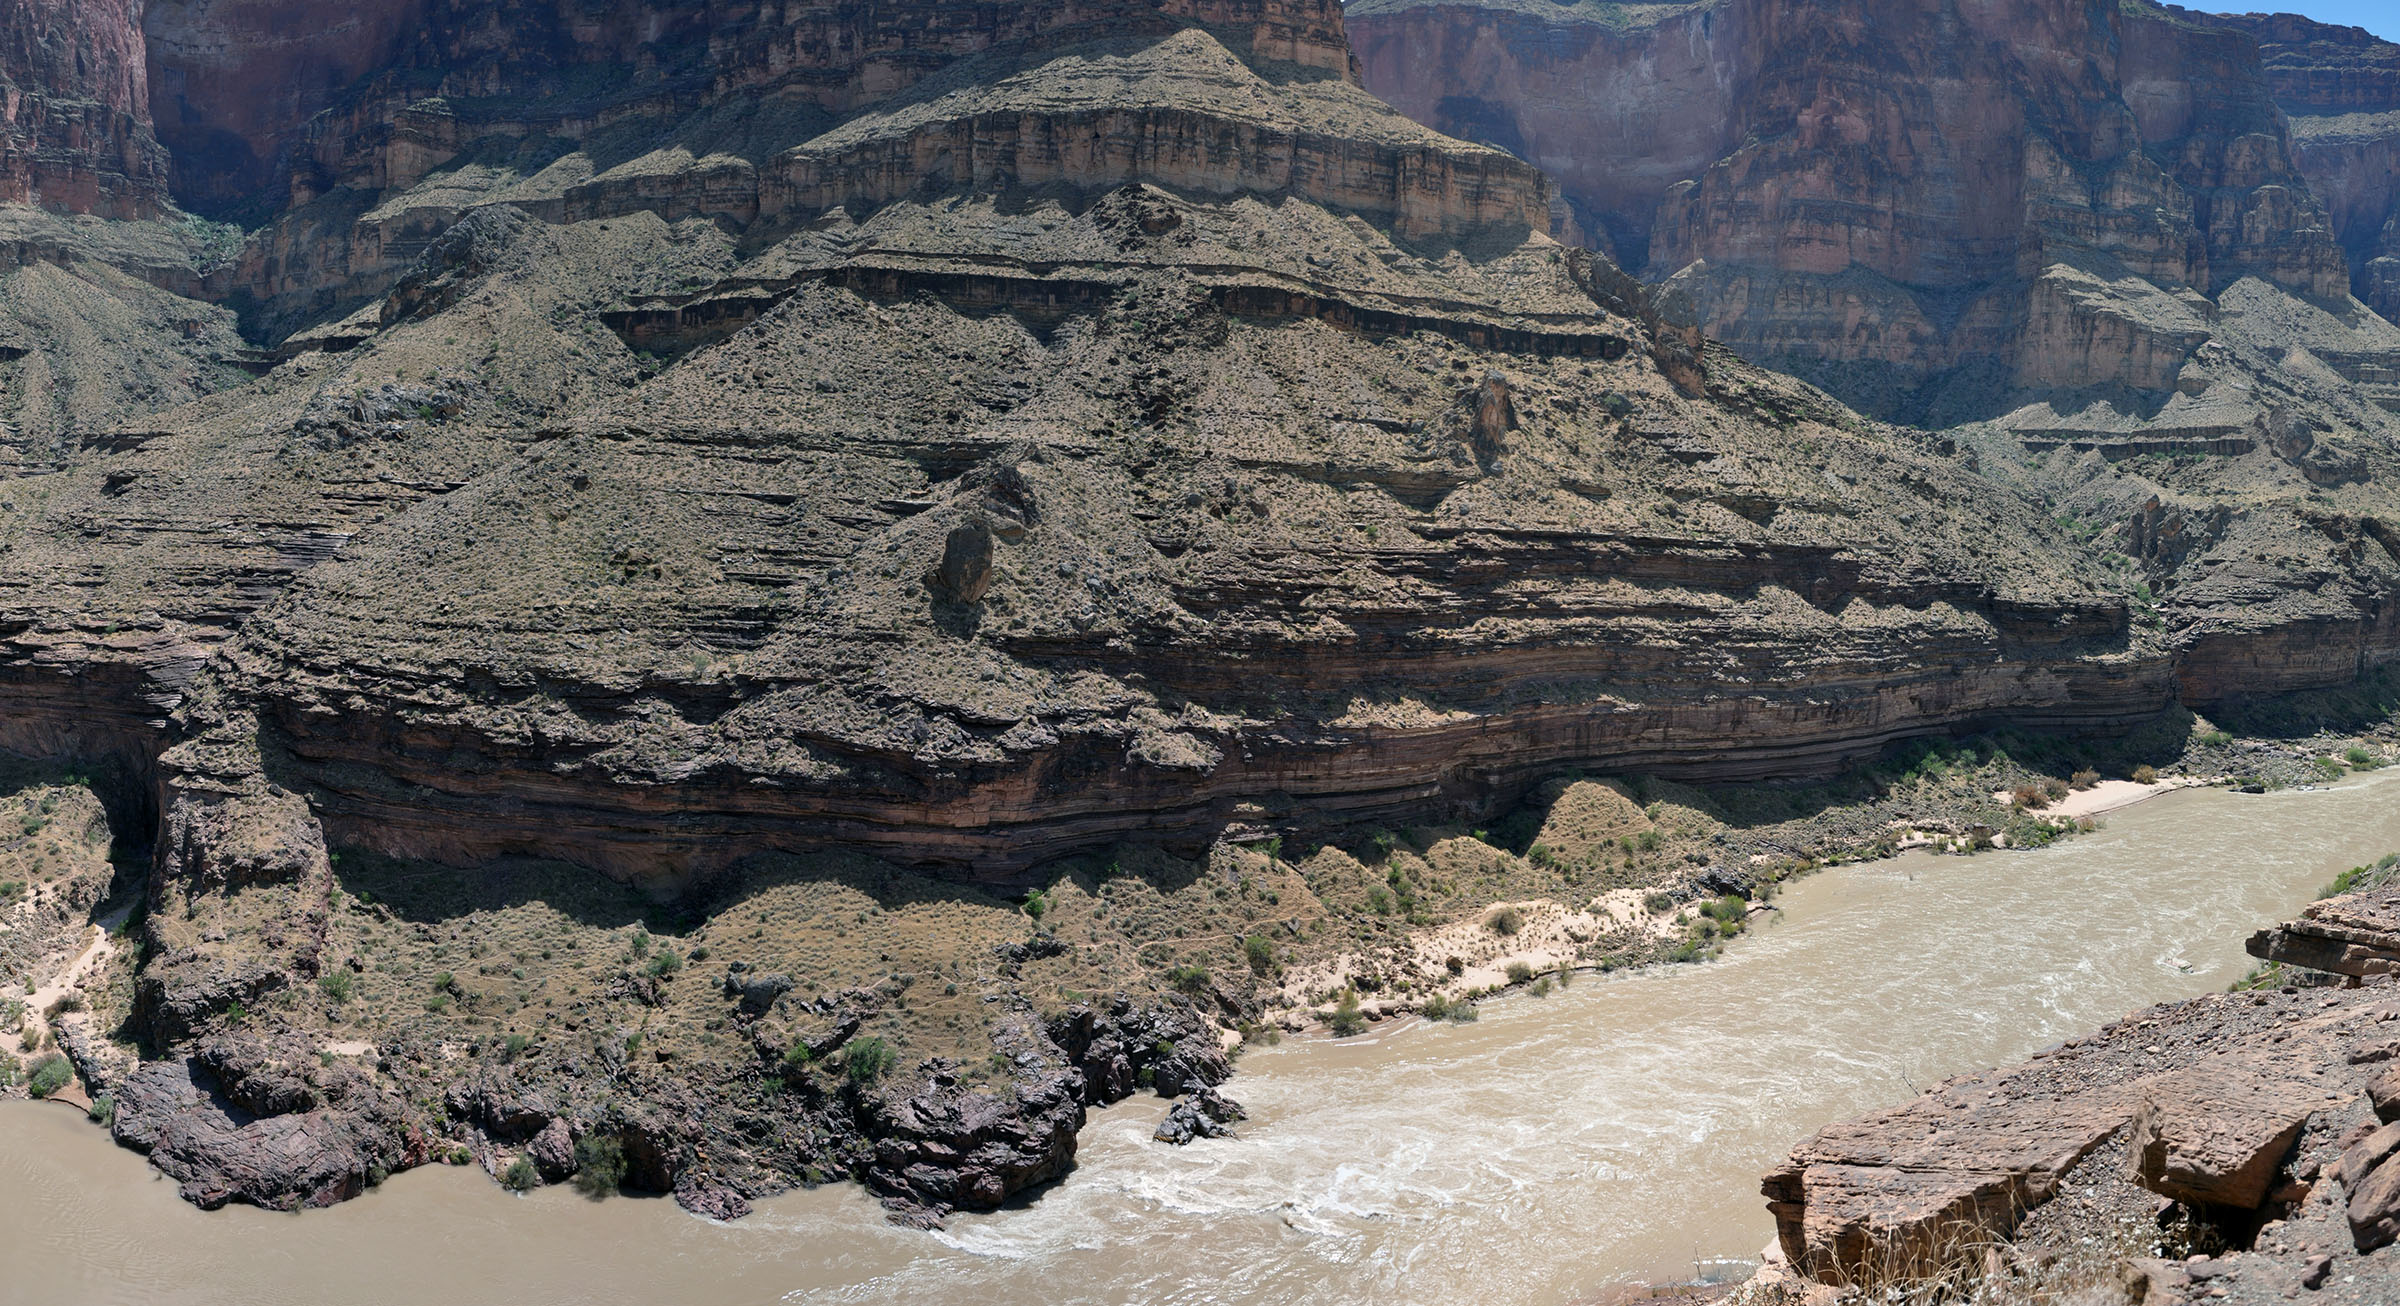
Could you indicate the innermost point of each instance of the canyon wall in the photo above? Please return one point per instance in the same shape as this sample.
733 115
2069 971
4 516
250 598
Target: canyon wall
74 109
2039 196
2340 88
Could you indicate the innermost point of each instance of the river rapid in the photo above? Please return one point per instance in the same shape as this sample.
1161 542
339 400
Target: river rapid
1614 1131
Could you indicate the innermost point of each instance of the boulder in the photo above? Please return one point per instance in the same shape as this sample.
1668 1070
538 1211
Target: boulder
552 1151
1205 1114
2374 1208
2217 1133
2384 1092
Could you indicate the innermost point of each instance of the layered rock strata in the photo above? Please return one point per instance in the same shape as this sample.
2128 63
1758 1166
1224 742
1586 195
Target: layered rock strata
2340 89
2042 197
75 133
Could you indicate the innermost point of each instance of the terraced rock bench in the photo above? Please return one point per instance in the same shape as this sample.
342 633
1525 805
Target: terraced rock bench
2356 934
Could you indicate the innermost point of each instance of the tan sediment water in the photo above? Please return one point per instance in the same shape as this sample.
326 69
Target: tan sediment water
1610 1132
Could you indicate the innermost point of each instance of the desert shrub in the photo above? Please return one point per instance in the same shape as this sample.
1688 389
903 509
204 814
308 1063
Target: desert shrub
1036 904
1379 900
1347 1020
1659 903
599 1165
1189 978
1505 922
337 985
2055 788
50 1074
1455 965
520 1176
2361 760
663 963
514 1046
867 1059
2029 798
1259 951
2328 769
102 1111
2145 774
2084 779
1649 841
2213 739
1519 972
65 1003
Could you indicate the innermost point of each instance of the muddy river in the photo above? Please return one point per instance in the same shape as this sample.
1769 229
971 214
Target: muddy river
1613 1131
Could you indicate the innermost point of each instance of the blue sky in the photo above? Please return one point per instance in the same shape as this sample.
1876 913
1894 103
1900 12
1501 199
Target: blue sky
2382 17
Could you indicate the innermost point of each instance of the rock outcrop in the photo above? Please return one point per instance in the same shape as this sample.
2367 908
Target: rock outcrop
2355 934
2262 1118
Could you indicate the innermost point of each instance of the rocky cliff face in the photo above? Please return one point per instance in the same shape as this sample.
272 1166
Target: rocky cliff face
2042 196
2340 88
74 109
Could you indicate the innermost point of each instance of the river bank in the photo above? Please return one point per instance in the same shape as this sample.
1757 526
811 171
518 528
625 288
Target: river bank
1610 1133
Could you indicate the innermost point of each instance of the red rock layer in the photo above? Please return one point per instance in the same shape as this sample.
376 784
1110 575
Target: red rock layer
74 112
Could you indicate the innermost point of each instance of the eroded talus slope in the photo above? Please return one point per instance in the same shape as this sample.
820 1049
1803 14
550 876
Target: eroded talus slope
1162 550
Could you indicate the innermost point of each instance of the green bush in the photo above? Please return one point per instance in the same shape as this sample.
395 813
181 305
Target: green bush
1189 978
1519 973
867 1059
1260 952
1347 1020
1458 1011
2362 760
102 1111
1659 903
520 1176
2084 779
1505 922
514 1046
599 1165
2145 774
336 985
50 1074
2213 739
664 963
1037 903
